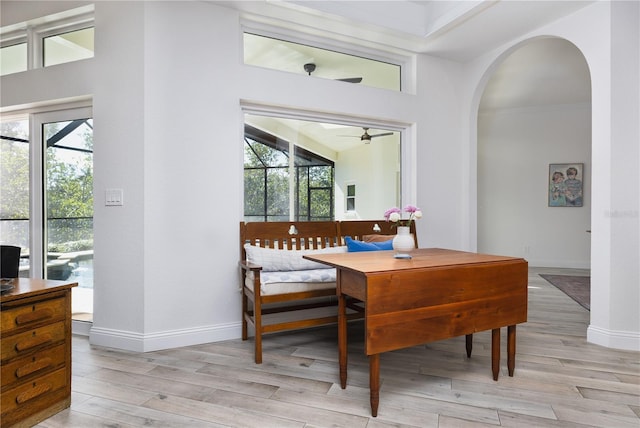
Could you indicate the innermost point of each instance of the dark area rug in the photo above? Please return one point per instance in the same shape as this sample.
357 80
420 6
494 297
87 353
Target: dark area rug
576 287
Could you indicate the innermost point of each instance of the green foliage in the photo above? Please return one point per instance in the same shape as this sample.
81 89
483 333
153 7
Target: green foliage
69 186
14 177
266 186
71 246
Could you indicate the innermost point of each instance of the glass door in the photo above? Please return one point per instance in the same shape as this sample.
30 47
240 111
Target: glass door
46 202
68 208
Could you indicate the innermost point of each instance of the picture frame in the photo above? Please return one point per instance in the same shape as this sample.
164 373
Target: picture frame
565 184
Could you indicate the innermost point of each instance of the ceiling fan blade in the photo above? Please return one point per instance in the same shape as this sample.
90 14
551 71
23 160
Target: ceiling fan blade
351 79
381 135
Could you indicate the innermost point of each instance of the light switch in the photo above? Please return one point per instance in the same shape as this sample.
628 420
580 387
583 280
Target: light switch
113 197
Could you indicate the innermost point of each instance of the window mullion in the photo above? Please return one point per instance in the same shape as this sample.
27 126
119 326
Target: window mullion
36 200
34 49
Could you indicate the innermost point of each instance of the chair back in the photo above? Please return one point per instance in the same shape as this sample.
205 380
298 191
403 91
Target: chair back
9 261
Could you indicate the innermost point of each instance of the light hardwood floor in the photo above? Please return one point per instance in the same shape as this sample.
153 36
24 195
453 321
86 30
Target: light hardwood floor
560 380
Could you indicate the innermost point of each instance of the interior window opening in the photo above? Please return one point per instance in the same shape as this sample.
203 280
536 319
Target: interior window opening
269 52
300 170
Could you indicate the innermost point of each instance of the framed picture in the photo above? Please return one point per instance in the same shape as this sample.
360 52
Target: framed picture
565 184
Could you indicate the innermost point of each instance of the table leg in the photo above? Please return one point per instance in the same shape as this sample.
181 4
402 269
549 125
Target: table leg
495 352
511 348
374 383
342 339
469 344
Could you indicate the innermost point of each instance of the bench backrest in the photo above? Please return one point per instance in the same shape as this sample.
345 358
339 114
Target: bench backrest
298 235
289 235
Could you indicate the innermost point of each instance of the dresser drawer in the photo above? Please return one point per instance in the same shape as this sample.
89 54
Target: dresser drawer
32 340
37 394
34 365
25 316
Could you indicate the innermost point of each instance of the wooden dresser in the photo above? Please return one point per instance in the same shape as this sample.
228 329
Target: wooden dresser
36 351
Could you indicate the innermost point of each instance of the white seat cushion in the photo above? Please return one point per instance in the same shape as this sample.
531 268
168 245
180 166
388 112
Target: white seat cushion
293 281
276 260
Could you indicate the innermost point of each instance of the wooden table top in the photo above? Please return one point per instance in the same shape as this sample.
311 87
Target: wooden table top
26 287
369 262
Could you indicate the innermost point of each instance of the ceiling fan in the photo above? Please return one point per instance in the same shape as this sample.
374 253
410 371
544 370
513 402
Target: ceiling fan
366 137
311 67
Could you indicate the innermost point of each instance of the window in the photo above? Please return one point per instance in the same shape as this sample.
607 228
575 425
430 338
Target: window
298 58
67 47
296 169
13 58
14 176
269 181
351 197
48 40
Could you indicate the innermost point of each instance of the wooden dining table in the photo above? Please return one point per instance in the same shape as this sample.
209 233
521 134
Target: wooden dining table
436 294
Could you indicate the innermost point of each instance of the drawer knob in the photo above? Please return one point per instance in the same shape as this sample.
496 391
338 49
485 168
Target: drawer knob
33 342
33 367
39 315
34 392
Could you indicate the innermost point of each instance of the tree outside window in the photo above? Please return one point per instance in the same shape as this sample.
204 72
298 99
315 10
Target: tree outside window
267 181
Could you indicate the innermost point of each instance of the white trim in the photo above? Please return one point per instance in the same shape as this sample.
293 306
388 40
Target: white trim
263 109
553 263
138 342
81 328
47 106
352 47
627 340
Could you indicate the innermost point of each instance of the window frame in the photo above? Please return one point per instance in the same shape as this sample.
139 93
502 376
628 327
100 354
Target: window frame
35 31
406 178
404 59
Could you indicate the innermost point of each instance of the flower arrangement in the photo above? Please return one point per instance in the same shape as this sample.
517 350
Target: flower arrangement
395 215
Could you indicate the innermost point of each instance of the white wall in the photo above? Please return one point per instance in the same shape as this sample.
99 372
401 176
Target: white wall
168 84
169 126
373 168
515 148
607 35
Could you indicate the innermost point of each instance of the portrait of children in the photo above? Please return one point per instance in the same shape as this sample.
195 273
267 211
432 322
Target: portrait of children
565 184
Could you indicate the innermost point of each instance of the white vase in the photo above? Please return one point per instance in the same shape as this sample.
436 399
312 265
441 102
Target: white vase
403 242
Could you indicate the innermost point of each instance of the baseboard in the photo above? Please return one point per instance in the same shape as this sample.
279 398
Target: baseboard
81 328
572 264
138 342
627 340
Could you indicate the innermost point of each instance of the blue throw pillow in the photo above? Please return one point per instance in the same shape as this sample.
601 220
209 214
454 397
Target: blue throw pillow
353 245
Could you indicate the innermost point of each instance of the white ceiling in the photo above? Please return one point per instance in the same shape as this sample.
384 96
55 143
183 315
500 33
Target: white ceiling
542 72
458 30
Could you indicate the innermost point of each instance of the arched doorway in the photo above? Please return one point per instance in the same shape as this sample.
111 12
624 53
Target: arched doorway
535 114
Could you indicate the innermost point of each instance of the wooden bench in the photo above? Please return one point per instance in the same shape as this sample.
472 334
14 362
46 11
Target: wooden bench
277 249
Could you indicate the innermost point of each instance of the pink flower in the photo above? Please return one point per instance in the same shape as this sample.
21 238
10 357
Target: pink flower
387 213
395 215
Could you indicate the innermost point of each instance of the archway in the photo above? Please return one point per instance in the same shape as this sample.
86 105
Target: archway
534 114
